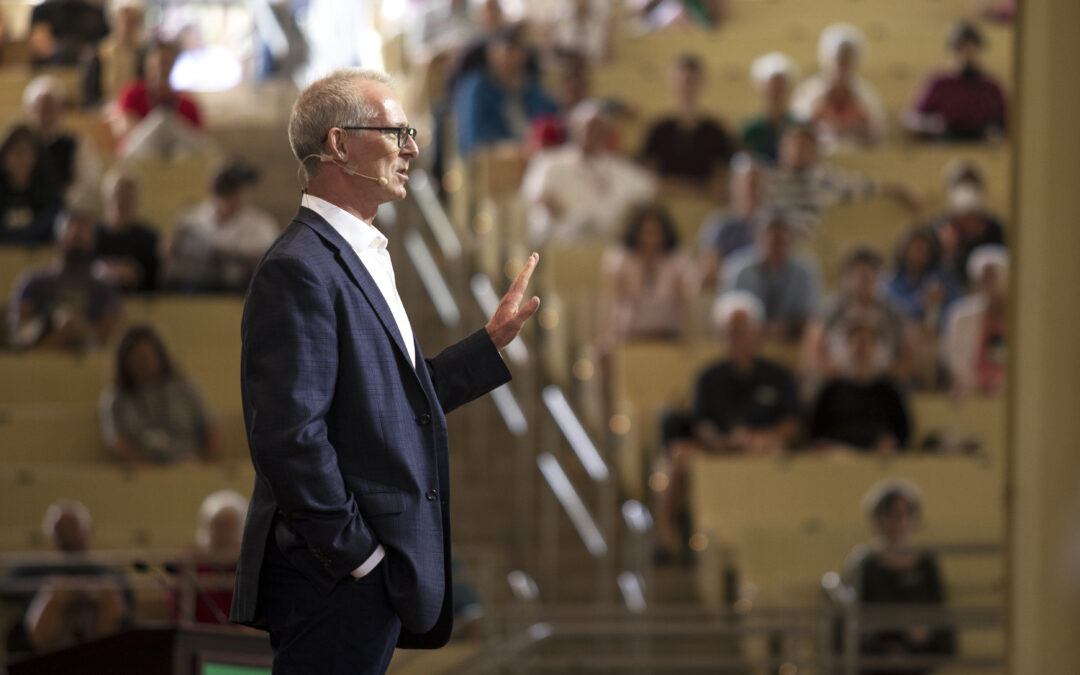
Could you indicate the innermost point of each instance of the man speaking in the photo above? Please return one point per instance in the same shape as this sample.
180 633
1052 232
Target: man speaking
346 550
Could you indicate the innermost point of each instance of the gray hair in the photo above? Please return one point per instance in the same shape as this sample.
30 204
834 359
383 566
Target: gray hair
332 101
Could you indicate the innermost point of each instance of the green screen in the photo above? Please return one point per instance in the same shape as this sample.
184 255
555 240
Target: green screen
223 669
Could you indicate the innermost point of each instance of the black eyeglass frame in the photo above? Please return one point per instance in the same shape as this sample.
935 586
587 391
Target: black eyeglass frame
403 133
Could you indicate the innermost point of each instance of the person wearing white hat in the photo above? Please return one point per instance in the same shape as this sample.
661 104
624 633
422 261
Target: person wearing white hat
842 106
774 76
974 344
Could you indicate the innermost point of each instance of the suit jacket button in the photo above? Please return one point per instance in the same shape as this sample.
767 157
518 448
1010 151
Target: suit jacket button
424 419
432 494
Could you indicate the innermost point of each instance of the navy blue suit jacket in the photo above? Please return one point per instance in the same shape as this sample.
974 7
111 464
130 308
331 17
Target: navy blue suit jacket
347 437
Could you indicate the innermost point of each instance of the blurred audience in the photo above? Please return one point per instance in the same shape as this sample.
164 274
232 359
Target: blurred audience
581 191
63 32
806 186
689 148
645 279
860 299
212 563
439 29
549 130
744 404
774 76
31 195
150 118
892 572
861 407
965 104
73 160
660 14
731 230
217 244
152 413
118 58
787 284
966 223
69 598
583 26
843 108
496 103
974 342
64 306
126 254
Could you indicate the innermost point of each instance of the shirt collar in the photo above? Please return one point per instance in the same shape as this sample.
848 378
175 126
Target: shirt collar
356 232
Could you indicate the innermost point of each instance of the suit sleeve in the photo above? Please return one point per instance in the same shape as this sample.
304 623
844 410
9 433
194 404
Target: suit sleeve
290 361
467 370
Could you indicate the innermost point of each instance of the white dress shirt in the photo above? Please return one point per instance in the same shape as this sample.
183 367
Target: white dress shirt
370 246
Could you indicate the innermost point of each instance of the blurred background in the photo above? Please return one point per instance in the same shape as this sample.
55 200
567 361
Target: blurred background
801 396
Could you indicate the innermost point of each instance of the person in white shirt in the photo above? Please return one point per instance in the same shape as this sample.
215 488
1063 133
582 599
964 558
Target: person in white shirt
844 109
582 191
218 243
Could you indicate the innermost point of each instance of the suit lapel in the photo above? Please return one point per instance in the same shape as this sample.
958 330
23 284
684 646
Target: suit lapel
360 276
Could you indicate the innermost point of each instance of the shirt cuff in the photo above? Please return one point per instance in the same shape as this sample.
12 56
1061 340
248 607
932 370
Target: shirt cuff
373 560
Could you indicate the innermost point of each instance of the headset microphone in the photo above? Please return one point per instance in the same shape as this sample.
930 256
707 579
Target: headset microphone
381 180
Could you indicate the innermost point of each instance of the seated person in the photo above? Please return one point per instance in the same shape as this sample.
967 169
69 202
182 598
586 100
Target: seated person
744 404
645 281
918 287
581 191
31 195
73 160
683 14
962 105
861 407
64 306
118 57
891 572
774 75
843 109
549 130
785 283
967 224
974 341
731 230
496 103
212 563
583 26
805 186
149 118
152 413
126 254
859 299
217 244
51 612
62 32
689 149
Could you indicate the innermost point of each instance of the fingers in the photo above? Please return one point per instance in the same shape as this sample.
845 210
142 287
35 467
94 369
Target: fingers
517 290
528 310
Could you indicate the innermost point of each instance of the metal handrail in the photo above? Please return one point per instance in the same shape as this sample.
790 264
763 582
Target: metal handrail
573 506
434 215
432 279
575 433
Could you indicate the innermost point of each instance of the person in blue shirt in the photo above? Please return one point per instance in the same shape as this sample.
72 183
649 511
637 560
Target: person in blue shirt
497 103
919 287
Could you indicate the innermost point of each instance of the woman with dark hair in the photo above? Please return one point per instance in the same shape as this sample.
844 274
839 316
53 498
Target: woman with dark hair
918 287
645 281
152 413
30 194
892 572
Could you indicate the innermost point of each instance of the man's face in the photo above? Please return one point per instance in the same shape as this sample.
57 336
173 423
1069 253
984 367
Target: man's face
45 110
776 242
506 60
741 332
123 200
159 65
76 238
777 92
967 53
747 188
846 61
70 534
228 205
376 153
686 83
862 280
798 150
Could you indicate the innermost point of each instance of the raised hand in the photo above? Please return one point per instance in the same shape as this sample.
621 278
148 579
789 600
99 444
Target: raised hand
511 315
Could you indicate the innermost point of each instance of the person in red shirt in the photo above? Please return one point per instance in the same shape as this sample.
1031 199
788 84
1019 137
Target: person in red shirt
151 91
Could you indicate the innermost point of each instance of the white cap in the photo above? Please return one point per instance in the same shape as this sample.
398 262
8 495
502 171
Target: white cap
988 255
766 66
212 505
731 302
833 38
910 491
43 84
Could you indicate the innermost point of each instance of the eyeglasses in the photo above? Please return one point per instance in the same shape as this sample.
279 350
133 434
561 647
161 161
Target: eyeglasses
403 133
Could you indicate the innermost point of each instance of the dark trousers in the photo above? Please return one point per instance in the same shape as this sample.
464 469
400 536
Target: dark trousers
352 631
